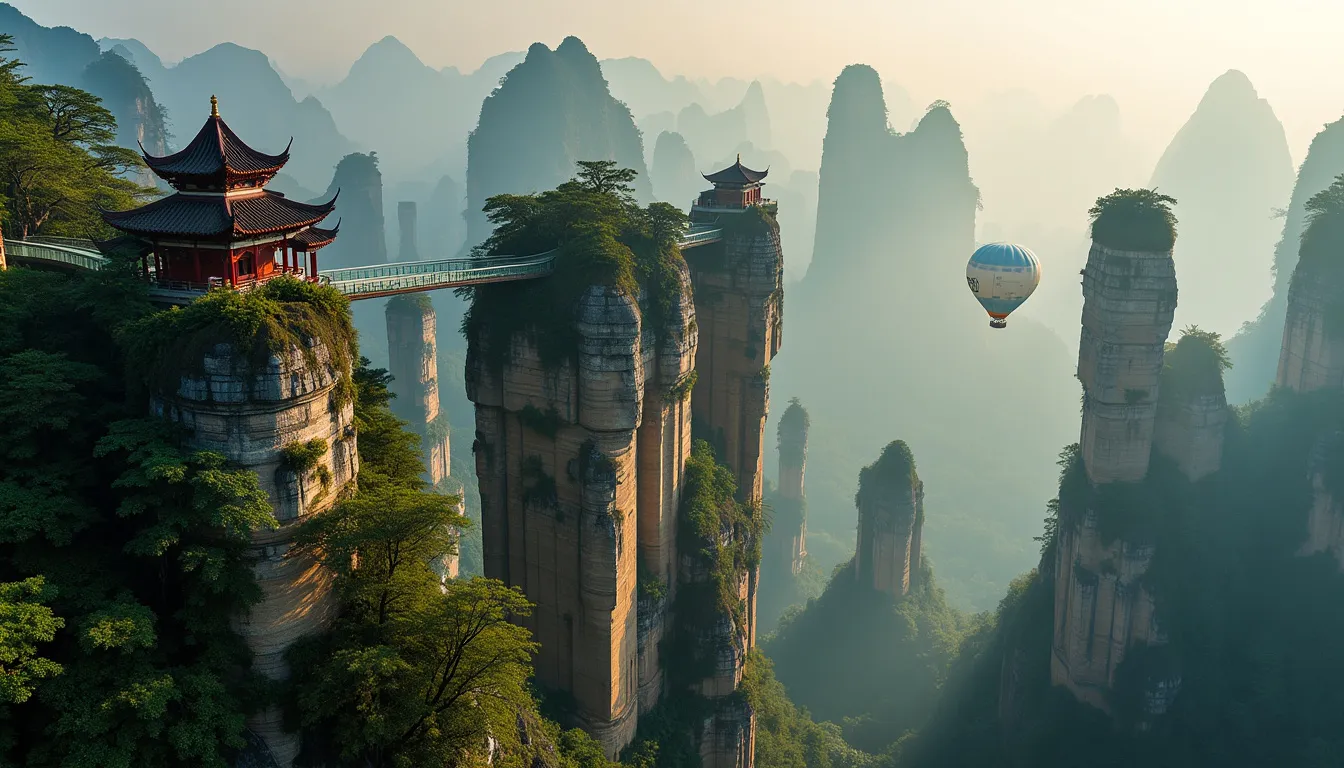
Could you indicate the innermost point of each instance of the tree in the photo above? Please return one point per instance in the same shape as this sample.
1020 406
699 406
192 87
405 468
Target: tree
25 621
605 178
58 164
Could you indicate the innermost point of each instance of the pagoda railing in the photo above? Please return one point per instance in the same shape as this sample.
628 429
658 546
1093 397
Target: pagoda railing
25 250
701 236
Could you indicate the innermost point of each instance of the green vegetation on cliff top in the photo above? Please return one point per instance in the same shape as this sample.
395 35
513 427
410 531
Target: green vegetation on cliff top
1134 220
1193 366
601 238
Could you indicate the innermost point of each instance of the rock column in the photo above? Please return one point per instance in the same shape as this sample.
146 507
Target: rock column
891 519
408 248
580 466
790 520
1101 607
414 365
251 416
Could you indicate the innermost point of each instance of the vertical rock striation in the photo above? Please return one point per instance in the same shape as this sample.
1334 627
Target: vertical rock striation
891 521
252 415
1129 296
414 365
579 466
1192 410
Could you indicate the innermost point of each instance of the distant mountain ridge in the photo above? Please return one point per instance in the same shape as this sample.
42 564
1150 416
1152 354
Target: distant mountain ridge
252 97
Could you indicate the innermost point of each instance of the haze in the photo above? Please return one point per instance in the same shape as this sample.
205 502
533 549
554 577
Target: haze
1154 57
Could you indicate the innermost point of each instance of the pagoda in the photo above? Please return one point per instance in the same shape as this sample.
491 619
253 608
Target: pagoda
222 227
736 188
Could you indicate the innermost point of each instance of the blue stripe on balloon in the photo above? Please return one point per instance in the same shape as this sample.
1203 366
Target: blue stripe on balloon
1004 255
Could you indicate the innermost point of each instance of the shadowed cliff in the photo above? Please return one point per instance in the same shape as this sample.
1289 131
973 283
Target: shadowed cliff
548 112
1255 350
1229 169
886 295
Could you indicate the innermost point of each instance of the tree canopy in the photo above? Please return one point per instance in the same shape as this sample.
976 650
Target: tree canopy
58 162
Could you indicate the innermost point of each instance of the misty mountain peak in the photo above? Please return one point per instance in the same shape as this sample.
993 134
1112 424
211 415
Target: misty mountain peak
857 101
387 54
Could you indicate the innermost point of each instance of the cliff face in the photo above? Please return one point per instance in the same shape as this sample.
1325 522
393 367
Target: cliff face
891 521
1192 412
579 468
413 363
363 238
549 112
1256 349
1102 608
256 418
739 295
1229 167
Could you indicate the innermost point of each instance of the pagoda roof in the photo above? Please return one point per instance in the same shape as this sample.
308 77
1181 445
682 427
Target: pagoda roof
737 173
219 217
313 238
216 157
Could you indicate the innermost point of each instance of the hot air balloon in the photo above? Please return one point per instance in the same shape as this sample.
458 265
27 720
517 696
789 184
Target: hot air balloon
1002 276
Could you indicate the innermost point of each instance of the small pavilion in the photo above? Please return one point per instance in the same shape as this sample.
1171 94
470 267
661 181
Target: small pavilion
221 226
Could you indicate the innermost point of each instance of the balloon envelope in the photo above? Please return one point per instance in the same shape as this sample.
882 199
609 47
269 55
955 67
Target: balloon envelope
1002 276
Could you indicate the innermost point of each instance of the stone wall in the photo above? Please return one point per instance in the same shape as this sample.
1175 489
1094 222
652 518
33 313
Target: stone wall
250 417
580 468
1129 298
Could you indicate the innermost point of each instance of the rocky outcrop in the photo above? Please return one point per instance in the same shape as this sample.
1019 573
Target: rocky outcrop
256 418
674 176
1256 349
580 467
1312 354
1192 410
1128 301
739 295
789 528
1229 167
891 522
363 238
408 248
1102 609
550 111
414 365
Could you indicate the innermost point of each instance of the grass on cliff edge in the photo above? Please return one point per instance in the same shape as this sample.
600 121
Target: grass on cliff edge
602 237
280 313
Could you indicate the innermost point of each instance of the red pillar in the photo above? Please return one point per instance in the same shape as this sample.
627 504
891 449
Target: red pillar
233 270
196 264
312 265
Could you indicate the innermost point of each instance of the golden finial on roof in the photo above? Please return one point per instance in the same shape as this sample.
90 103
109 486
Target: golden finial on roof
214 106
739 158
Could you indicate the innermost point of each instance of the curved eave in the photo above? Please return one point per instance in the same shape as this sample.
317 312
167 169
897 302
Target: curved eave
306 216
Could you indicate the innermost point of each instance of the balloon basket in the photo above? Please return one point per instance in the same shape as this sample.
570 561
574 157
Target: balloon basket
997 323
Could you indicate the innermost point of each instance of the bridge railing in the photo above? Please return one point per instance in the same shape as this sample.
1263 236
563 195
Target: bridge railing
412 276
23 250
78 243
697 236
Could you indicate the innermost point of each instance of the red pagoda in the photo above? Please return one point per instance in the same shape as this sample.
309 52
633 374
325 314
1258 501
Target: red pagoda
736 189
222 227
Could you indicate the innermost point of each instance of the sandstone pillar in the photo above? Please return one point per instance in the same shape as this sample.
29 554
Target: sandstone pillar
891 516
790 521
251 417
408 248
414 365
580 467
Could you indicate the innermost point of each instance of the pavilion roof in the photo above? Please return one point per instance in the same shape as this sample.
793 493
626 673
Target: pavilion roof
737 173
313 238
217 217
216 157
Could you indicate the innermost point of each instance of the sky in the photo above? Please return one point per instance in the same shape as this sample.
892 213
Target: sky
1155 57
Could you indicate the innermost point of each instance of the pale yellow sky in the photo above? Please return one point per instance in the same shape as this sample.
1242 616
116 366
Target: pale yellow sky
1154 56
